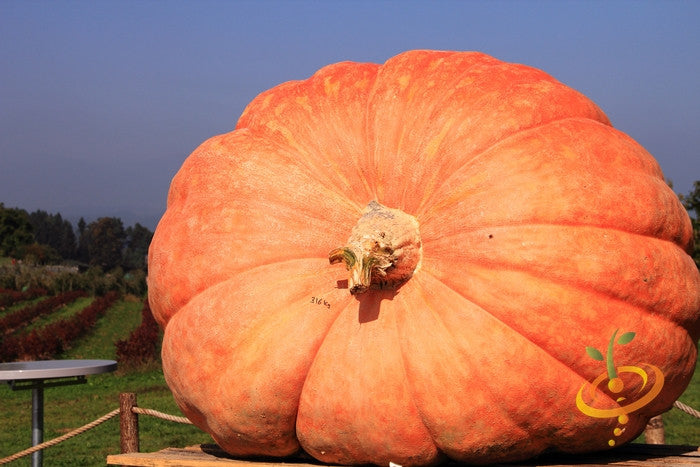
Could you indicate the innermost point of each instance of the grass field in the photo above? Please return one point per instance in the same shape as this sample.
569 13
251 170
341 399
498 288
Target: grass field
69 407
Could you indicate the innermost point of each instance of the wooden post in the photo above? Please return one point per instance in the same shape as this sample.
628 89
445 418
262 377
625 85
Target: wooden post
128 423
654 432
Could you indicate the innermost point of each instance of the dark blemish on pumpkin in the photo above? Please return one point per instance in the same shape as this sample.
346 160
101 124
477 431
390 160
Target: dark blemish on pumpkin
342 284
490 235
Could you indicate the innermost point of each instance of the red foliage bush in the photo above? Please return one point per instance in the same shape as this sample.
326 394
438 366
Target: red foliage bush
55 337
142 345
25 315
10 297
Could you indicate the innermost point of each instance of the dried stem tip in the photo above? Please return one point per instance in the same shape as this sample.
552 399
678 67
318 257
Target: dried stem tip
383 251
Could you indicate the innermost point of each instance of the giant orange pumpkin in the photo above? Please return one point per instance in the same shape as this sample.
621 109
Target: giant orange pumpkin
444 256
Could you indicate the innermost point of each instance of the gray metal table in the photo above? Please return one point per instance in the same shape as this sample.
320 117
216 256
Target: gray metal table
38 375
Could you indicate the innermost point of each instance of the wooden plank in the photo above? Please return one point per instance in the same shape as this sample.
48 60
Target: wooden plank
210 455
202 455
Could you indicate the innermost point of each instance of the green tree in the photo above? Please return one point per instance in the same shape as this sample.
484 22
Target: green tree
15 231
67 243
691 202
138 239
38 253
105 239
54 231
82 249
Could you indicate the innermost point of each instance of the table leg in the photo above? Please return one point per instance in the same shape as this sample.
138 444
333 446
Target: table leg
37 422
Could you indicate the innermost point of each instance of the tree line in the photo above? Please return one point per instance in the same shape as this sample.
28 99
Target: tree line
691 202
43 238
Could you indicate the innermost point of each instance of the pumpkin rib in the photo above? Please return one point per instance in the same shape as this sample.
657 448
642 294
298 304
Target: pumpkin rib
299 296
514 224
290 154
537 133
406 352
402 356
558 223
214 241
398 108
338 188
564 209
450 84
428 202
584 288
495 317
286 158
314 104
581 377
433 186
295 159
640 321
232 351
507 413
347 359
500 257
491 232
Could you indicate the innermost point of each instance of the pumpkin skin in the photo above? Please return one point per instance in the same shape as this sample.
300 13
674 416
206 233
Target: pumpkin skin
544 231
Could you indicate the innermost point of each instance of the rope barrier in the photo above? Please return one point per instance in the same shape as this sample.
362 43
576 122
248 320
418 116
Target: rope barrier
172 418
93 424
164 416
687 409
62 438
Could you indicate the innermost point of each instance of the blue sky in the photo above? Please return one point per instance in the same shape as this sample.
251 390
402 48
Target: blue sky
101 101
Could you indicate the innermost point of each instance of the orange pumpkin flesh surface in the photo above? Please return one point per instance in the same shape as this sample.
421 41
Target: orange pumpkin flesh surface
539 233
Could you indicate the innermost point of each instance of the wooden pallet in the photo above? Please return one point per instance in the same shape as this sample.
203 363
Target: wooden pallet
206 455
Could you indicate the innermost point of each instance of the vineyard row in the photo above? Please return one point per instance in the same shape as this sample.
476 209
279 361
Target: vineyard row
141 347
10 297
12 321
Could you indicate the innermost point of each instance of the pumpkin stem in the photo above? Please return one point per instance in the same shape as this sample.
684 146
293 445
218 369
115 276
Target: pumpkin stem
383 251
360 270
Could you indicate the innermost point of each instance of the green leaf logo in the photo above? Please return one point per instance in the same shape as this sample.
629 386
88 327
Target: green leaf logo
626 338
594 353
